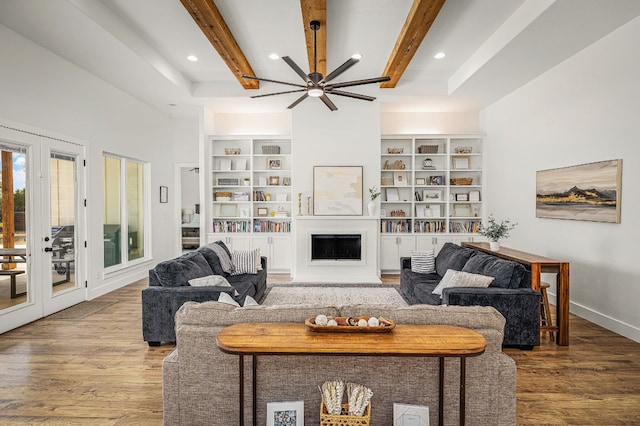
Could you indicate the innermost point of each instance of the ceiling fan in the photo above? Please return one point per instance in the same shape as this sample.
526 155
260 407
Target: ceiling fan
318 86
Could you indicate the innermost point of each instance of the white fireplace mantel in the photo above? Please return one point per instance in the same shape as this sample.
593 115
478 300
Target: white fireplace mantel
364 270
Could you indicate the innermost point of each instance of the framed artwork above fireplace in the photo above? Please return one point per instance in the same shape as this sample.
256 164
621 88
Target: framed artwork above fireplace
337 190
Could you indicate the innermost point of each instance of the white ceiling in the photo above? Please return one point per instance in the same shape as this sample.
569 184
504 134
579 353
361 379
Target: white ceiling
140 46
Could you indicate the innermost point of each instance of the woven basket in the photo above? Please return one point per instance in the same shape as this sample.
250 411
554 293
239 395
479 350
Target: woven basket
461 181
428 149
220 194
232 151
270 149
344 419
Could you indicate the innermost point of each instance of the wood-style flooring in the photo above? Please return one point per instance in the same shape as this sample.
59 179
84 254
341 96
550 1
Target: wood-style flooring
97 370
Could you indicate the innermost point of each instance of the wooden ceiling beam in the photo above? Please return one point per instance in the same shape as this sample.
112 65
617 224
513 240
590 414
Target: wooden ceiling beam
415 28
315 10
208 18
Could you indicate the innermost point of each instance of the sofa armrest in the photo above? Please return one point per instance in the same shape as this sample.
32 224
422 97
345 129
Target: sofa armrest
405 263
263 262
160 304
519 306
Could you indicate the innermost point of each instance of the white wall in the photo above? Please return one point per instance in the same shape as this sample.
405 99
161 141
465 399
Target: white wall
44 91
429 123
583 110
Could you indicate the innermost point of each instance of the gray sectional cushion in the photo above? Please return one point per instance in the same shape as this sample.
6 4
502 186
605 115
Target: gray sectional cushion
452 256
178 272
507 274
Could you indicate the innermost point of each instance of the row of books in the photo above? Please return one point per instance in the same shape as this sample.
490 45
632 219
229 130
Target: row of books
387 226
231 226
271 226
470 227
424 226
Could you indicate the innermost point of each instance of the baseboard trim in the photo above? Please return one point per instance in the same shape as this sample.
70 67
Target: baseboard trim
598 318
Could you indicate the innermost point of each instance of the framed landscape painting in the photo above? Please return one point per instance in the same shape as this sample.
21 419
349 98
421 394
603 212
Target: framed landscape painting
588 192
337 191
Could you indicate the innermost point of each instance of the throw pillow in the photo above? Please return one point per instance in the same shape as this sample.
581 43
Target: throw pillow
210 280
226 298
423 262
249 301
462 279
225 260
244 261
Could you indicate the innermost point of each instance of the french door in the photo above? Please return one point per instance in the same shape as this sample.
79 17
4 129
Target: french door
42 249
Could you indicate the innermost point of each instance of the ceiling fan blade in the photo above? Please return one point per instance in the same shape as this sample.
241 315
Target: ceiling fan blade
342 68
273 81
351 95
358 82
297 101
296 68
328 103
279 93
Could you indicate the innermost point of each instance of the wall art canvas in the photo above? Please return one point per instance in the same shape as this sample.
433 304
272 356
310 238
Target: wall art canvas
337 190
588 192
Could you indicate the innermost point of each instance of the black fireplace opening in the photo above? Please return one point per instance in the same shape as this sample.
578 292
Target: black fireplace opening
335 246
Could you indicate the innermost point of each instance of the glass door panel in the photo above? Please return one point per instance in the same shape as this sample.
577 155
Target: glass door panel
14 269
63 221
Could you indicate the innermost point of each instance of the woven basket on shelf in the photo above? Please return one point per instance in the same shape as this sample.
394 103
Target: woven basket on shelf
344 419
270 149
428 149
461 181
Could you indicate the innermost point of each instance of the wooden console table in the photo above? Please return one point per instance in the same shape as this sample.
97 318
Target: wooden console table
537 265
441 341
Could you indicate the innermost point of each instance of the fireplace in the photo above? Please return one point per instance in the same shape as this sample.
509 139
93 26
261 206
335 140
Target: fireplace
336 246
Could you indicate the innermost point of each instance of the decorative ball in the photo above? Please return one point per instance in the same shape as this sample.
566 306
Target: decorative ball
332 323
321 319
362 323
373 322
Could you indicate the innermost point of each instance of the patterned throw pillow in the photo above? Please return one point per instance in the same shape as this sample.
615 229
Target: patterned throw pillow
423 262
244 261
210 280
226 298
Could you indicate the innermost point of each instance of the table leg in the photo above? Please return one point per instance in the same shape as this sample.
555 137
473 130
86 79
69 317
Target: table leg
562 305
463 377
254 376
441 392
241 390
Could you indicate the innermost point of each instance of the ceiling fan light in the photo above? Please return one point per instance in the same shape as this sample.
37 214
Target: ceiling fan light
315 92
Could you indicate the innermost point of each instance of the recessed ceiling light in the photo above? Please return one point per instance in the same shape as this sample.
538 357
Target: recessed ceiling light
192 58
356 56
439 55
274 56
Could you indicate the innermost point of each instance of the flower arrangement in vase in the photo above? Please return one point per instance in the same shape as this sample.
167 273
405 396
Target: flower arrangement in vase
495 231
371 207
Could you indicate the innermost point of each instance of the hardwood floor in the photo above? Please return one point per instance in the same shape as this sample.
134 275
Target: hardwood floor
97 370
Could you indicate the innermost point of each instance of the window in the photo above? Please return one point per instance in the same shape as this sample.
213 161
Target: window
124 208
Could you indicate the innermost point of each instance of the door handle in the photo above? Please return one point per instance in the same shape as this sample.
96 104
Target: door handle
48 249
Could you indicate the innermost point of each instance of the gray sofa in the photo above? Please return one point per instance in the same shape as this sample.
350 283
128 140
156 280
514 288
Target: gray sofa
200 382
510 292
169 288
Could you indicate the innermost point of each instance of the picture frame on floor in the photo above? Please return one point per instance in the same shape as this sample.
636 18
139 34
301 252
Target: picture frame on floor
289 413
410 415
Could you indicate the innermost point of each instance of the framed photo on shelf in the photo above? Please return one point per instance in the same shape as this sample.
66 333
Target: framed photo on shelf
462 197
274 180
474 195
432 195
228 210
263 211
421 181
436 210
400 179
460 162
435 180
392 194
290 413
462 210
274 164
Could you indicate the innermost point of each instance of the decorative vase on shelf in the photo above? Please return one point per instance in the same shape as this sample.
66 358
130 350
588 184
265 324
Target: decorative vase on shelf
494 245
371 207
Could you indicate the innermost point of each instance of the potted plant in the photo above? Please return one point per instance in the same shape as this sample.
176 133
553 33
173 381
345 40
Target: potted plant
495 231
374 193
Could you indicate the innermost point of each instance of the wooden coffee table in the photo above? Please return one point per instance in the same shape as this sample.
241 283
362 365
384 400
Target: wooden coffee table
441 341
